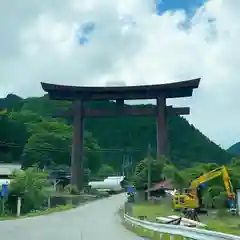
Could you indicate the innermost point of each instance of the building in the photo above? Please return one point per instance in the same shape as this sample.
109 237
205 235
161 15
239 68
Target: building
161 189
6 169
58 176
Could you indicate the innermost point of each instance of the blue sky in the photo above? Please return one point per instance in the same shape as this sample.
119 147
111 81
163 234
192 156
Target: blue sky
41 35
189 6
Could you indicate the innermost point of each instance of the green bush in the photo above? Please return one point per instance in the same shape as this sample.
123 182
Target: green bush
31 185
220 201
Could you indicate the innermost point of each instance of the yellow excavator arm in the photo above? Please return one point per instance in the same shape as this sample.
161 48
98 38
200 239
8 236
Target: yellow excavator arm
211 175
190 198
228 184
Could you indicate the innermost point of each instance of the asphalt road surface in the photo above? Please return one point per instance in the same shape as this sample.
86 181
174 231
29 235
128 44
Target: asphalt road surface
97 220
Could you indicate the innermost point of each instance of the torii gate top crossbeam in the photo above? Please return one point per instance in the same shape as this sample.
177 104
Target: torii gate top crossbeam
169 90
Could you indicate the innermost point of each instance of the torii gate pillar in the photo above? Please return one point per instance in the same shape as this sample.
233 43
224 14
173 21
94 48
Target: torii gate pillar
77 145
162 140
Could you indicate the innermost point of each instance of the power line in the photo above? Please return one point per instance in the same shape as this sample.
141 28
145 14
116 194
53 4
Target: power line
68 148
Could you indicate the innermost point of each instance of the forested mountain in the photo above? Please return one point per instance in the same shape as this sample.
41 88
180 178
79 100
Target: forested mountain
235 149
29 133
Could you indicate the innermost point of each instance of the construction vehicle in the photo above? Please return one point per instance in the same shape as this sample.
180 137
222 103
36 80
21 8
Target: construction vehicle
192 198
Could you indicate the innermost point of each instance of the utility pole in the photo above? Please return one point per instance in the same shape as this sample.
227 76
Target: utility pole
132 170
125 165
149 170
123 168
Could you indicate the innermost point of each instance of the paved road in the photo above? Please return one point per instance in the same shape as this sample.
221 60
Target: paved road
97 220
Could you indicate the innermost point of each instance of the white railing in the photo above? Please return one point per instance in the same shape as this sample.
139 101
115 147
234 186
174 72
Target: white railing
173 230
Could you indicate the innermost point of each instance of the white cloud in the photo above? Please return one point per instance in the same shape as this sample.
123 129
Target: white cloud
39 43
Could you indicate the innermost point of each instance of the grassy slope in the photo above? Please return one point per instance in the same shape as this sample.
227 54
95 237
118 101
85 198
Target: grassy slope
59 208
224 223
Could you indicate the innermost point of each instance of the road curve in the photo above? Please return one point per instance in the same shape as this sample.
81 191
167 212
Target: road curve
97 220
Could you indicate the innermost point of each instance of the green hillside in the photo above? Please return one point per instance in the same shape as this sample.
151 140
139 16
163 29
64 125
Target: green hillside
108 139
235 149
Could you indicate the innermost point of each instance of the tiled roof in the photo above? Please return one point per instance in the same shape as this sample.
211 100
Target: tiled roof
8 168
161 185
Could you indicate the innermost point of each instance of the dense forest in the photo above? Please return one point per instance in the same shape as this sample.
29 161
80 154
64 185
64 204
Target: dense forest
30 134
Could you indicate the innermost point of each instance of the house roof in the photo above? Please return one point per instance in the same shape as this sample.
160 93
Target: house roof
161 185
8 168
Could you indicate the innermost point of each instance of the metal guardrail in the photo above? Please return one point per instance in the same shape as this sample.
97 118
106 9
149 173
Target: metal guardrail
173 230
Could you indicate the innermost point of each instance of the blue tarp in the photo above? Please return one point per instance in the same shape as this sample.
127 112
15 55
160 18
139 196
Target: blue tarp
130 189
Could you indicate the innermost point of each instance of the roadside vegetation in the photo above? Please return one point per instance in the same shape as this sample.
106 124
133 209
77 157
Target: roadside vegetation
32 187
38 197
217 220
214 194
47 211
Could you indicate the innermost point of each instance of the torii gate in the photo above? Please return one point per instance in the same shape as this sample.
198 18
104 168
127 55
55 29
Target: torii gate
79 95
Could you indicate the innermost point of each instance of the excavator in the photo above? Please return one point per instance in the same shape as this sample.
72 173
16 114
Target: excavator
191 198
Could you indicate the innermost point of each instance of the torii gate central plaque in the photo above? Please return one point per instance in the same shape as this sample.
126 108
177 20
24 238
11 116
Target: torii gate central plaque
79 95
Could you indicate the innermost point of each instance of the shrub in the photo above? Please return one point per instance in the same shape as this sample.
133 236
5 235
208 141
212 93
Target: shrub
31 185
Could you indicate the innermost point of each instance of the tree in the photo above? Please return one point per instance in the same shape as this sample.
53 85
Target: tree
235 162
207 199
13 136
177 178
31 186
45 149
105 171
220 201
51 143
207 167
26 117
234 171
215 190
92 153
140 177
211 195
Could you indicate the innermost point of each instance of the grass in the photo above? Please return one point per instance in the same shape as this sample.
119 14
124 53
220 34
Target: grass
225 223
86 198
151 210
149 234
2 218
59 208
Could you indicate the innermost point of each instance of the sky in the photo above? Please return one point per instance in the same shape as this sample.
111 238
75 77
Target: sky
128 42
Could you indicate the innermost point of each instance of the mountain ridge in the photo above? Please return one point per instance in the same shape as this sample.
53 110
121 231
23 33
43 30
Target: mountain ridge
234 149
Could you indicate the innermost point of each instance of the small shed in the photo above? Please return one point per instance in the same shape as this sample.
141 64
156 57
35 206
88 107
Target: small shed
161 185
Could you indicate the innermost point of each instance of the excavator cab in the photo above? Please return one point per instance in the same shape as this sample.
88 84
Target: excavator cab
184 199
